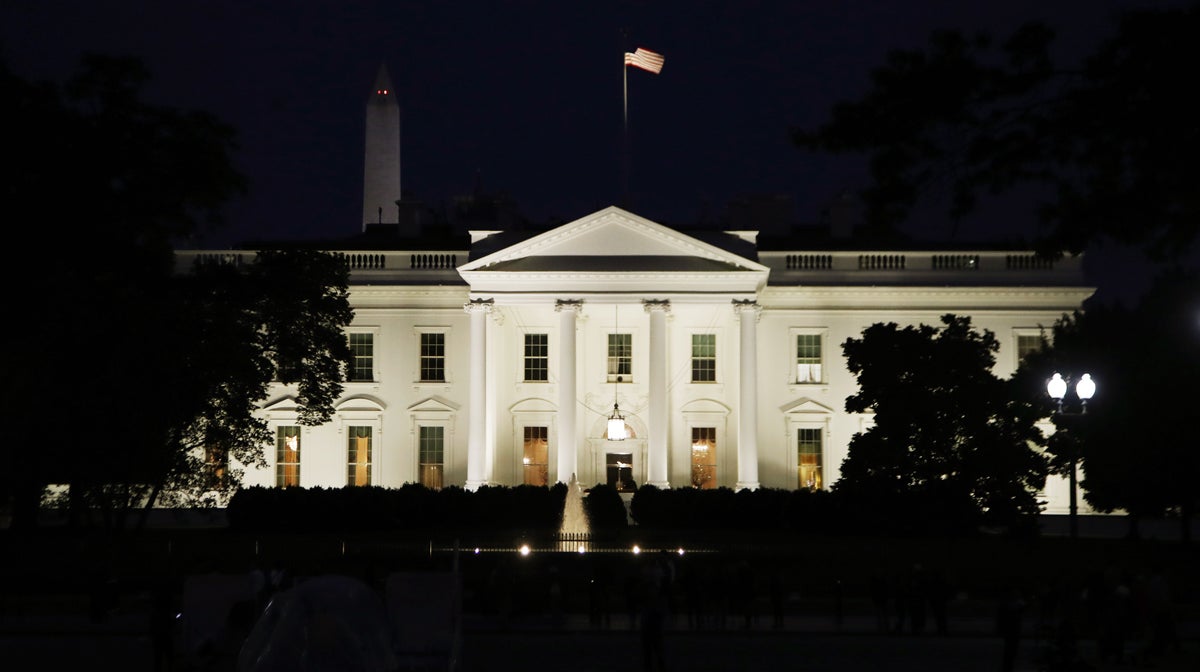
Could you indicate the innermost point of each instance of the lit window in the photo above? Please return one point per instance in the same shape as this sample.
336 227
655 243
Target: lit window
1027 344
216 462
704 358
808 445
287 456
362 347
704 458
537 357
358 456
620 357
431 456
433 357
619 471
808 358
535 460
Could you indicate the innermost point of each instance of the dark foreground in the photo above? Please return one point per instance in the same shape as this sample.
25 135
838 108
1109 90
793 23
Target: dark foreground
814 643
189 601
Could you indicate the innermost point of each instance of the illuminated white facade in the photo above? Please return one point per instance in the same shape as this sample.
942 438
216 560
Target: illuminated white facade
498 358
502 368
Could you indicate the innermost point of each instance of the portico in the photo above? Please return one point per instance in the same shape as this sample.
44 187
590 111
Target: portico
621 281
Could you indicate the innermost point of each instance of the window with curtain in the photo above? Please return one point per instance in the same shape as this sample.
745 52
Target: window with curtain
620 357
808 358
808 443
1027 344
362 348
358 456
535 458
704 458
431 456
287 456
704 358
537 358
433 358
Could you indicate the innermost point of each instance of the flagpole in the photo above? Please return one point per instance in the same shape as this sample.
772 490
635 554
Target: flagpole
625 93
625 134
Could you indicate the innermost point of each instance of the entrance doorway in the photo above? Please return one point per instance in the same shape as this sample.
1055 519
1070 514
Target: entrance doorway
619 471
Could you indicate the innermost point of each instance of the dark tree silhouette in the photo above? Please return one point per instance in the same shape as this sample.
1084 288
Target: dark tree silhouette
1136 451
1109 145
949 436
124 378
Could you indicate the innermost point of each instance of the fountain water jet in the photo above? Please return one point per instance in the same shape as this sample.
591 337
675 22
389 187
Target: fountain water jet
574 531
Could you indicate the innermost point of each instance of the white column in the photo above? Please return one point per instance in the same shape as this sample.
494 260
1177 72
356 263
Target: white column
478 309
568 443
748 312
657 419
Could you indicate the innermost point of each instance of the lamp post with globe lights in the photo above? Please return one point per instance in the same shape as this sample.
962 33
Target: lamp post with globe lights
1085 388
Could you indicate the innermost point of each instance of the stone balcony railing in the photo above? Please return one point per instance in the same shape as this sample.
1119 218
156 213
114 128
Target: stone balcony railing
366 267
920 268
787 268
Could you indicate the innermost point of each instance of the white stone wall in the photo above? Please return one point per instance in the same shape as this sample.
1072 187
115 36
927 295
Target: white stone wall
403 402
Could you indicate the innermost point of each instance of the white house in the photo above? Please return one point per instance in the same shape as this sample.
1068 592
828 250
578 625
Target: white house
500 357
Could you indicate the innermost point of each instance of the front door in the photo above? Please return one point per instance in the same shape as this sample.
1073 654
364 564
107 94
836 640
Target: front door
619 471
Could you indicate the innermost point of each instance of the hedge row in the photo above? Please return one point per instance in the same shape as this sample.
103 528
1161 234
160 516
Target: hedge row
414 507
538 510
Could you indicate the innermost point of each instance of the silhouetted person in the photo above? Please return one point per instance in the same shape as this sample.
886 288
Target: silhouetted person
1115 614
718 578
1160 614
694 586
221 652
655 610
777 595
279 578
902 598
879 599
742 589
1008 626
503 587
938 591
162 624
103 592
599 615
633 597
838 604
554 594
917 597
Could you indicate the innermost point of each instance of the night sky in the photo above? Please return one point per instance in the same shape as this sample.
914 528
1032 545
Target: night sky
526 97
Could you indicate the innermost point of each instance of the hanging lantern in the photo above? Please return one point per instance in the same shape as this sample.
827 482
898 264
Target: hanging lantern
616 421
616 425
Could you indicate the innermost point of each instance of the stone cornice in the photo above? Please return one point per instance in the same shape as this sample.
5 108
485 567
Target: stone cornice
663 282
899 298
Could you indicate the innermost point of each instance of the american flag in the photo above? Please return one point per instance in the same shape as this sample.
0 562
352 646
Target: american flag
645 59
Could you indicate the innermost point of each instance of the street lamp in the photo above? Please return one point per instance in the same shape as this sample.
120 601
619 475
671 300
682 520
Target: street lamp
1056 387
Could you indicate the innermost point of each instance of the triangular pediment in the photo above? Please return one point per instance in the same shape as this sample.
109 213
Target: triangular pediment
617 250
433 404
283 404
805 405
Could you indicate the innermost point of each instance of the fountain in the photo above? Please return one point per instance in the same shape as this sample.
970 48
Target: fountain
574 532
